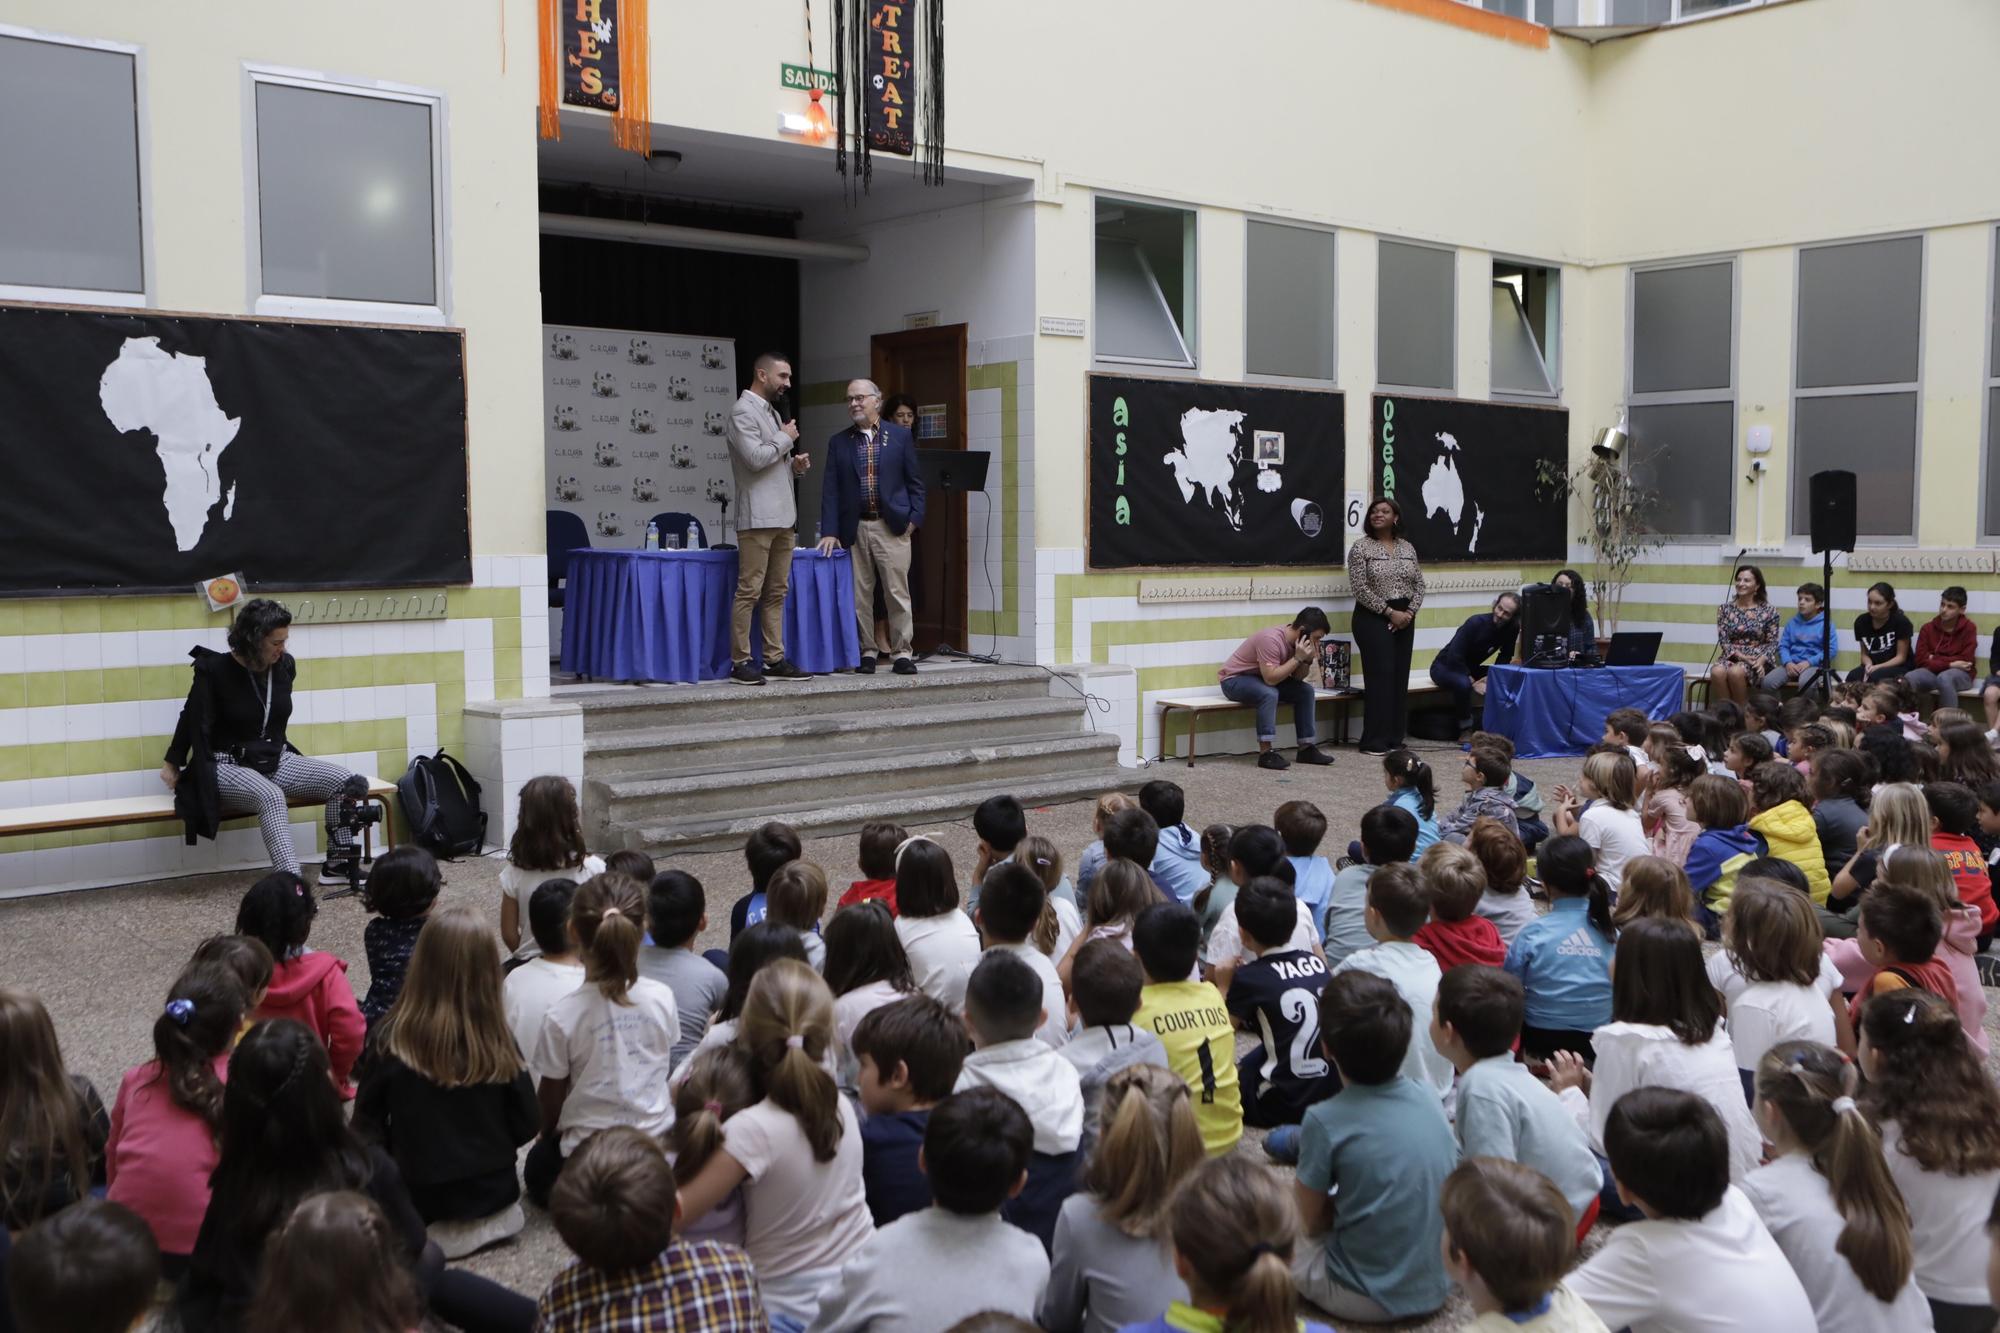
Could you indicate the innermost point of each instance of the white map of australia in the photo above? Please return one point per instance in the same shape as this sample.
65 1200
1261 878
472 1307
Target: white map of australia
1444 491
168 394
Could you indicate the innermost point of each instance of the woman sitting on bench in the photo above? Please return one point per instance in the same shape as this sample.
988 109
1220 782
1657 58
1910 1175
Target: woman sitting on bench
229 755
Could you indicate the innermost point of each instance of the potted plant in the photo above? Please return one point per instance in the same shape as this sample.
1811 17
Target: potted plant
1618 530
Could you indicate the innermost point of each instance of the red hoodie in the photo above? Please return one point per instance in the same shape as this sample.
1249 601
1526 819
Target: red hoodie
1968 872
1938 647
313 989
1454 943
1933 975
881 890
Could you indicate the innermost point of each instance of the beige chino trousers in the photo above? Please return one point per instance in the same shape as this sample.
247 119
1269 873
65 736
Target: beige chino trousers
763 577
879 554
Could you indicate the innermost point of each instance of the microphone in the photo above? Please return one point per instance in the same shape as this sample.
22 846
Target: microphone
1716 651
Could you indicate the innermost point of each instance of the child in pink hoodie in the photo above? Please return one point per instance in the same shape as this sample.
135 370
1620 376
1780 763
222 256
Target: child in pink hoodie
1931 872
306 985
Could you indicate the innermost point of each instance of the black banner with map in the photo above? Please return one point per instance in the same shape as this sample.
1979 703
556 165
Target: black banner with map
1185 472
1464 473
146 451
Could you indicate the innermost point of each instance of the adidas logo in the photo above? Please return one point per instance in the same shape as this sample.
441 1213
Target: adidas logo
1582 944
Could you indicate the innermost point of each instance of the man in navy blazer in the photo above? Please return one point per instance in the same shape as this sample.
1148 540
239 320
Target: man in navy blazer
871 502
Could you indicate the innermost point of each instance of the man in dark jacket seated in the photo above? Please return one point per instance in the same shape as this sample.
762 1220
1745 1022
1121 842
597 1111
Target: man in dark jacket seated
1460 667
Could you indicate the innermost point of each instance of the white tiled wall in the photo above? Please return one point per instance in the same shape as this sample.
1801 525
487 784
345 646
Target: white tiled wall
508 743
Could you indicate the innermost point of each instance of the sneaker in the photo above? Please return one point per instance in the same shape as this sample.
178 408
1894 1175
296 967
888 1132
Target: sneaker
1312 754
1282 1145
746 673
1373 752
904 667
1272 759
784 669
867 665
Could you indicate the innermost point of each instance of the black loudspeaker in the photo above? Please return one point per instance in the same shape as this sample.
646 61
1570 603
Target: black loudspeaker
1832 503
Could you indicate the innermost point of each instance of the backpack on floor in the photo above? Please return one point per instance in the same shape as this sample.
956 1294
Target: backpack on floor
441 805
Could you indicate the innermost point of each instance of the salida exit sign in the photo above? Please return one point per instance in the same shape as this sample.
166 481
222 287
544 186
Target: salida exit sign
803 78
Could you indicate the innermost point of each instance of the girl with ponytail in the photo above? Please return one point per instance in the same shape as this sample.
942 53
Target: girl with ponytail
1413 786
1827 1196
606 1047
795 1152
1234 1228
169 1110
719 1083
1111 1264
1939 1116
1563 958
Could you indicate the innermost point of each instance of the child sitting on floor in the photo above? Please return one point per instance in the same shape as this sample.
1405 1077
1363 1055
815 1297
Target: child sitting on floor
278 911
876 859
1901 929
1505 860
1779 796
527 992
1486 776
1190 1020
1387 833
1104 997
1455 934
772 846
1003 1009
1507 1244
547 844
1528 803
1412 787
1176 863
910 1054
1655 886
1093 858
1563 959
1954 819
91 1268
1276 996
402 885
718 1083
1724 845
1302 827
1009 910
1670 830
1609 824
976 1150
1254 850
1398 906
677 911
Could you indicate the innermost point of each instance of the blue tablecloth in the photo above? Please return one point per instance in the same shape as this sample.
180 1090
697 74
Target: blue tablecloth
1552 713
664 615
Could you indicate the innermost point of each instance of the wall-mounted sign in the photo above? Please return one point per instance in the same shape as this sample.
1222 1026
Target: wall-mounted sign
590 35
803 79
930 421
1059 326
922 319
887 94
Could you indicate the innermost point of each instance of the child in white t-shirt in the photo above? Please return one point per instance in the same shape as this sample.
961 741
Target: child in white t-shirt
547 844
527 992
1611 825
1254 850
1699 1258
1774 975
606 1047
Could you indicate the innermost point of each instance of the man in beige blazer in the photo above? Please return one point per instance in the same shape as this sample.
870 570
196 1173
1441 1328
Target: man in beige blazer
763 459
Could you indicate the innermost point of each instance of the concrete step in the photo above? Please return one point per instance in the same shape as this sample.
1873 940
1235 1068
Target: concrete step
837 816
649 801
622 708
668 751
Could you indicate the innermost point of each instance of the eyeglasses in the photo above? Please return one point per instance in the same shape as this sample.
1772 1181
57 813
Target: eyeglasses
861 397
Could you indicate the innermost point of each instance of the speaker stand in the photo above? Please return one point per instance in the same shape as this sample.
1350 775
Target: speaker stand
1826 633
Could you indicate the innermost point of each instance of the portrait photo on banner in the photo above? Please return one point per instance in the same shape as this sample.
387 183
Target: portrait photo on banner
148 451
1192 473
1468 476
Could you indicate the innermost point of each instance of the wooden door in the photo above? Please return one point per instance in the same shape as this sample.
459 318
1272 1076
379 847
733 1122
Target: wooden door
929 366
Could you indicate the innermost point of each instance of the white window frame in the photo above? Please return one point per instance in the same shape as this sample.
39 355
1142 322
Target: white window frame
1554 369
1988 423
1306 381
144 297
1678 397
1415 390
1190 271
1743 8
261 302
1913 387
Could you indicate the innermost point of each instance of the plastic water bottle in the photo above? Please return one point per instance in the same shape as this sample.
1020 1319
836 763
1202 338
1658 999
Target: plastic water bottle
694 542
652 535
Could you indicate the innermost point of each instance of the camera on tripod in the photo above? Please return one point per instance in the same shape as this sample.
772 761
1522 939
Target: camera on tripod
353 813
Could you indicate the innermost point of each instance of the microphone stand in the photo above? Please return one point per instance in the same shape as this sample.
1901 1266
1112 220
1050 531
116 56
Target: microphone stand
1728 595
1826 633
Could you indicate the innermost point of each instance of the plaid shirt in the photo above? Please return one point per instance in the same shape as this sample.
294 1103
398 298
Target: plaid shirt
868 460
694 1285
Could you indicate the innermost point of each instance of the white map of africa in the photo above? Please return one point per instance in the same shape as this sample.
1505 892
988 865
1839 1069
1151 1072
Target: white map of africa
1211 444
1444 491
168 393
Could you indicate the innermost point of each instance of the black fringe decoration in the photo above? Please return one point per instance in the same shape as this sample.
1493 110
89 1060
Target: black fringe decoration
929 72
851 41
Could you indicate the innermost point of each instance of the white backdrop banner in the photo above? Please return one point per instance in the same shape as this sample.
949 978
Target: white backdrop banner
634 428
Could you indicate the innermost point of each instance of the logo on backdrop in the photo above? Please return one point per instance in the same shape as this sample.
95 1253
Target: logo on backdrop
632 432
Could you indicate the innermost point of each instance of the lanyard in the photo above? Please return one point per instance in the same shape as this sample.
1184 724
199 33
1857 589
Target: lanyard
265 696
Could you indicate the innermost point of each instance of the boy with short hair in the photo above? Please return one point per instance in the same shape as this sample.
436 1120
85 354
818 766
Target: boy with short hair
615 1206
1628 727
1701 1257
1132 835
876 857
1456 880
929 1269
1254 849
1003 1008
1384 1144
1724 846
1954 816
1398 907
999 823
910 1052
94 1267
1785 823
1302 827
527 992
1947 650
768 849
676 914
1503 1109
1276 995
1105 982
1802 654
1528 804
1388 837
1008 910
1898 936
1190 1020
1507 1244
1176 863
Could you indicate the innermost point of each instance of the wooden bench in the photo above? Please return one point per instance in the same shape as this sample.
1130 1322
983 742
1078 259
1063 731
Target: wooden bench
158 807
1210 699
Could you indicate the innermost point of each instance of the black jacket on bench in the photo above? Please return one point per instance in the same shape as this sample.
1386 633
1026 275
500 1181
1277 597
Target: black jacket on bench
224 709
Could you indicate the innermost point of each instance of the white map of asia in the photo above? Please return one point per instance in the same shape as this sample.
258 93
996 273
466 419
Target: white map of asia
1211 443
1444 491
168 393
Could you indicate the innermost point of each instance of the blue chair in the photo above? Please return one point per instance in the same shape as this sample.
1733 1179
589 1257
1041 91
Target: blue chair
566 533
676 525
